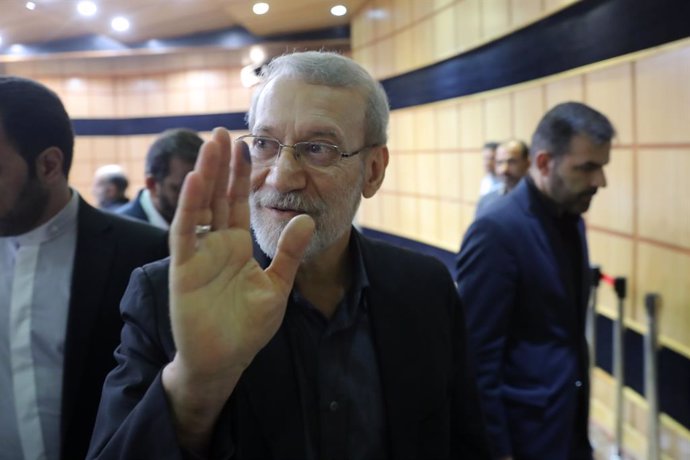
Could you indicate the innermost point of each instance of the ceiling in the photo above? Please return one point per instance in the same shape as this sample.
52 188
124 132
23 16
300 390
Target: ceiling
54 21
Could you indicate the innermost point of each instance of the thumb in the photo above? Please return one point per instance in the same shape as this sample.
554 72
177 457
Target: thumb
292 243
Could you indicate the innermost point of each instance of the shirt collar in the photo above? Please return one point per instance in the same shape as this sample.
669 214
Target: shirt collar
151 212
60 223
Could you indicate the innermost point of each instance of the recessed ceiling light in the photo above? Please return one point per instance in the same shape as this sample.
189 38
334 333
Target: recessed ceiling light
257 55
30 6
0 40
87 8
120 24
260 8
339 10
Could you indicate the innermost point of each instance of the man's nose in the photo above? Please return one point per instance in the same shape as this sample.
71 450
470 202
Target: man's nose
287 172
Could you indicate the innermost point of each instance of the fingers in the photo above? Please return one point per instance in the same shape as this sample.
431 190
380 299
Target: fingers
219 202
238 189
183 228
291 246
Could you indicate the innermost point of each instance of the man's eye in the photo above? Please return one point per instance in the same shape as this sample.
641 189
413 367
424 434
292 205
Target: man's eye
316 148
261 143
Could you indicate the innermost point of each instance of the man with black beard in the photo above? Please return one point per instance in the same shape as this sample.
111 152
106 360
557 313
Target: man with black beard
315 343
169 159
523 275
63 268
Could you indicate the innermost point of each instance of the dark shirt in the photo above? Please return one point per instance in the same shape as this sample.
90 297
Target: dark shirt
338 373
565 240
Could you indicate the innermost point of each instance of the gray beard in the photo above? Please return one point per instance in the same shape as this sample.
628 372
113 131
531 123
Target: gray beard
330 224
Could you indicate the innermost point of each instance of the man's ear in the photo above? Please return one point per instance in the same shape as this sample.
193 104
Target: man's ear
150 183
49 165
374 170
544 162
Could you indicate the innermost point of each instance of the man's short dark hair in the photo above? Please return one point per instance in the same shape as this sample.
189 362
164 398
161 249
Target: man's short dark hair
491 145
34 119
560 124
120 182
179 143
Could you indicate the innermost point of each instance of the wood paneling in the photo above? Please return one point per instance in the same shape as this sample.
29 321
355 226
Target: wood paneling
615 257
663 97
664 208
528 108
565 90
667 272
610 91
498 117
612 206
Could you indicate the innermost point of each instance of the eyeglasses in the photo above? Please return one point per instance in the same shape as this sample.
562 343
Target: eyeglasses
265 150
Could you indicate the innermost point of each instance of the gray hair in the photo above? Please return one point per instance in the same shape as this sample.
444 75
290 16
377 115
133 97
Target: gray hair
334 70
560 124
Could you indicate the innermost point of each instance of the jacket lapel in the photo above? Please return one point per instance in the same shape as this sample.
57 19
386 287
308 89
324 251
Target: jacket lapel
400 355
89 276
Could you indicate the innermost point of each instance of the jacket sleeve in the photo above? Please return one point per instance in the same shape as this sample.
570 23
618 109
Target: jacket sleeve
487 280
134 418
467 417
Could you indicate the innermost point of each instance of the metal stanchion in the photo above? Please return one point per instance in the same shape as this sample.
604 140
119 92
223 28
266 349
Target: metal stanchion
620 286
651 389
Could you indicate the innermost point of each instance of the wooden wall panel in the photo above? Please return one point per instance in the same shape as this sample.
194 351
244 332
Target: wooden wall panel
664 210
469 29
473 171
565 90
498 117
471 124
525 11
495 16
610 91
450 222
663 113
612 206
615 256
446 126
528 108
450 176
429 221
427 175
667 272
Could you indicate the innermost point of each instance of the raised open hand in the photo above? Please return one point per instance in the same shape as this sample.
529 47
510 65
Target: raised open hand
224 307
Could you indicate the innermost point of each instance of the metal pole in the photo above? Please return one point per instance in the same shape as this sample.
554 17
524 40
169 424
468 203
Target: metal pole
618 354
650 376
591 325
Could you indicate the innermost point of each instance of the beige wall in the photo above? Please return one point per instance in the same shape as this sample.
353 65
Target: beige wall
639 226
197 85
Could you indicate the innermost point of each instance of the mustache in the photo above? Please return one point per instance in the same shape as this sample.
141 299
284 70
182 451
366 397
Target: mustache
292 200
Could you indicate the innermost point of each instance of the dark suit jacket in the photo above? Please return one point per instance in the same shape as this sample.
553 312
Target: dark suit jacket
133 209
526 330
108 249
429 394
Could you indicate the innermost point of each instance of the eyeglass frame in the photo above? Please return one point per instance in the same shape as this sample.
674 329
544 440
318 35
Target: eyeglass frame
281 146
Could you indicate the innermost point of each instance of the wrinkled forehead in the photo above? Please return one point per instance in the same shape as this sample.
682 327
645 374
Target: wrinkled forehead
290 104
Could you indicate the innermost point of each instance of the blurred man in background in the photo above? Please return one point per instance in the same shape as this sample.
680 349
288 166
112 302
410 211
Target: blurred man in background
169 160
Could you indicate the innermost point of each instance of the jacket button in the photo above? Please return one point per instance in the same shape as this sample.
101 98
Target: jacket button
333 406
578 383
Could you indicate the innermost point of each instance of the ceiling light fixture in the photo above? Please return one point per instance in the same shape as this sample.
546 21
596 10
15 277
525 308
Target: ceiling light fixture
0 40
120 24
30 6
87 8
257 55
339 10
260 8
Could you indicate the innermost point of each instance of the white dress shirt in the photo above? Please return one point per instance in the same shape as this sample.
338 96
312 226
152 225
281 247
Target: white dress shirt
151 212
35 284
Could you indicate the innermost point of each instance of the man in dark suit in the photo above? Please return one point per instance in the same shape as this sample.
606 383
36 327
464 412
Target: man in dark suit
523 276
63 268
169 159
316 342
